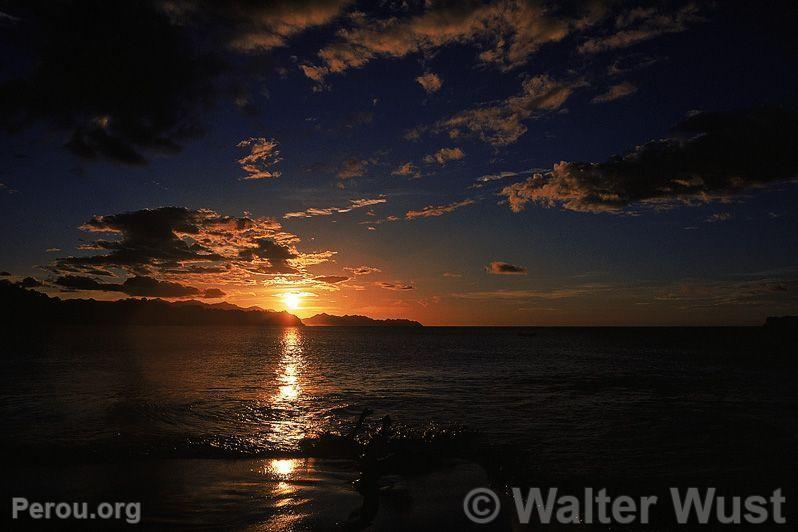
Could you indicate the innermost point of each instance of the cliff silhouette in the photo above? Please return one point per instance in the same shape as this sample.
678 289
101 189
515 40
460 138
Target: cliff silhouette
20 307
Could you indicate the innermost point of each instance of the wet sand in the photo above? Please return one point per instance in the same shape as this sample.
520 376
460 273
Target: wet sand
254 494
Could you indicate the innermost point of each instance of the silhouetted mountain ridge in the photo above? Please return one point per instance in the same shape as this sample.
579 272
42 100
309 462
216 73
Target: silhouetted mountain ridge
224 305
328 320
24 308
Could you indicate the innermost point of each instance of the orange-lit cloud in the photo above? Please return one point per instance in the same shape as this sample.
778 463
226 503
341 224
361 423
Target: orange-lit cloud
504 268
616 92
327 211
408 169
263 156
437 210
262 26
430 81
363 270
503 123
444 155
352 167
182 247
641 24
509 31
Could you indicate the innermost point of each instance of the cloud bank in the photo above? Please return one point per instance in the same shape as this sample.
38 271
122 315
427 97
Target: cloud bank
712 156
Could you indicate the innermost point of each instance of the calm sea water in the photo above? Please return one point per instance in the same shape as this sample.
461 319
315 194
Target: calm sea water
564 403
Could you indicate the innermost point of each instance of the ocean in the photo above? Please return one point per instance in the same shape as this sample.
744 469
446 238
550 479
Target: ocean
632 408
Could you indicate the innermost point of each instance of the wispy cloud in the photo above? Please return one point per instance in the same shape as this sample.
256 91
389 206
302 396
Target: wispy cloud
362 270
521 294
5 188
641 24
331 279
484 180
503 123
437 210
719 217
508 32
444 155
616 92
327 211
396 285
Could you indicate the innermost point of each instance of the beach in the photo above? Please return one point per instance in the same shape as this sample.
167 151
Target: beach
255 494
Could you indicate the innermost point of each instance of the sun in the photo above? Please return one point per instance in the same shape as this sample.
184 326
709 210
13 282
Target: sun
291 300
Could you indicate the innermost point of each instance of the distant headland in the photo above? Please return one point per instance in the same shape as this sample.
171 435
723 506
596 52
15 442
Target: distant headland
328 320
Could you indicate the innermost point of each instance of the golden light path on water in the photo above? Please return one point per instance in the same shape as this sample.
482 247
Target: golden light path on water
288 398
286 384
289 386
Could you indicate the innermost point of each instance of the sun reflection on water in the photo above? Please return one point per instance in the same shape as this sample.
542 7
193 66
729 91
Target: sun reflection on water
282 467
284 471
289 396
290 365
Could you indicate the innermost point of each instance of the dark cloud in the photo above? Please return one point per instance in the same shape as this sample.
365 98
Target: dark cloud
254 27
360 118
331 279
363 270
178 243
135 286
352 167
29 282
120 77
277 255
213 293
504 268
139 286
129 78
395 286
711 156
148 238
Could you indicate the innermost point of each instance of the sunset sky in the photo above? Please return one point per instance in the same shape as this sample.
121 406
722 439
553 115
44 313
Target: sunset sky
474 163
